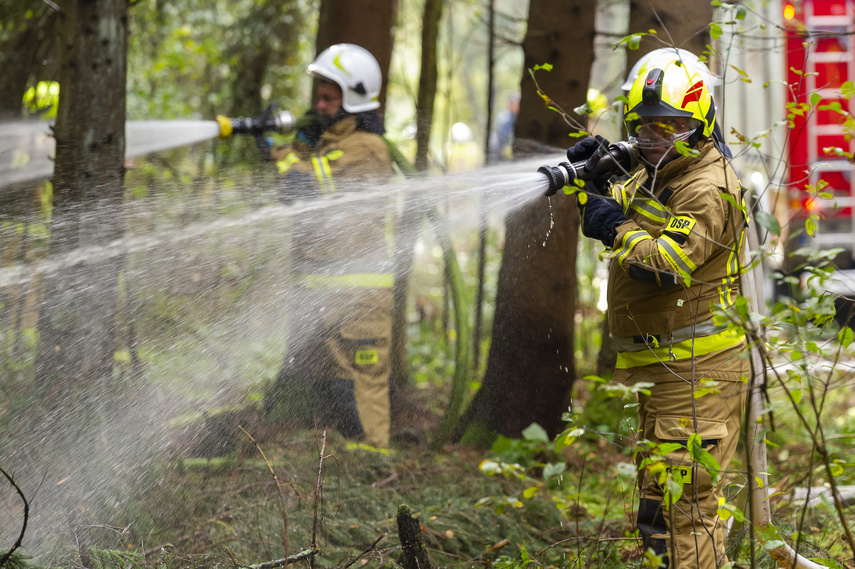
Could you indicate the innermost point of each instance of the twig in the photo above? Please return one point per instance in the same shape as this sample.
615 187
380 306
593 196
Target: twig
318 497
287 561
365 551
232 555
285 541
26 517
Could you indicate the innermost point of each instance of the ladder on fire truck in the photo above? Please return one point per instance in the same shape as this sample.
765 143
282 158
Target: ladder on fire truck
828 62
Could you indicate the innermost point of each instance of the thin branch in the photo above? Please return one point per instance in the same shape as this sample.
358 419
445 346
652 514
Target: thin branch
26 517
365 551
282 509
318 497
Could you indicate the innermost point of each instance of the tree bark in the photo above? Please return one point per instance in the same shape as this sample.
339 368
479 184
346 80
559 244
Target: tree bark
345 21
414 553
530 367
77 322
684 25
427 82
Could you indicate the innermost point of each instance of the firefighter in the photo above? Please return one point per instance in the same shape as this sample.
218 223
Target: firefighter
675 229
339 336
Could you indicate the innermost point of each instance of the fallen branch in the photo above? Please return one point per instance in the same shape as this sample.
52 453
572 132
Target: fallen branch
307 553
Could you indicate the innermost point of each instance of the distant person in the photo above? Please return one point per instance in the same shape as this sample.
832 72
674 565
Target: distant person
337 358
502 140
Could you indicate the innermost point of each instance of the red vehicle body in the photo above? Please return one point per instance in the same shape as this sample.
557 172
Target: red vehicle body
820 58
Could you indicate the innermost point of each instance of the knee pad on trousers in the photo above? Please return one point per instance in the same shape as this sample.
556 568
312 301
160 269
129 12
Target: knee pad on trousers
651 525
337 406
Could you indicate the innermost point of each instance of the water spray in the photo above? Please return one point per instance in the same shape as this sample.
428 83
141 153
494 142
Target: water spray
620 157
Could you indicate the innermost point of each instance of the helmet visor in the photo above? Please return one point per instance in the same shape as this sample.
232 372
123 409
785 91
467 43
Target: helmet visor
661 132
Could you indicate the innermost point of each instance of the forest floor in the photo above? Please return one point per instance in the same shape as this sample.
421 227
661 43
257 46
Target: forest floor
235 509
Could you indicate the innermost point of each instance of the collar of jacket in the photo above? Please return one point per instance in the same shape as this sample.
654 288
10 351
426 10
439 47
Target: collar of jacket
340 128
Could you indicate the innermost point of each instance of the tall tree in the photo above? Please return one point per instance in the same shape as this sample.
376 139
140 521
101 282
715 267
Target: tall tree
345 21
77 322
411 217
530 367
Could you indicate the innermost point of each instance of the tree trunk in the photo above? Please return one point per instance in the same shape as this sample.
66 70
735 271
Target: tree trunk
411 218
427 82
678 24
77 322
530 367
345 21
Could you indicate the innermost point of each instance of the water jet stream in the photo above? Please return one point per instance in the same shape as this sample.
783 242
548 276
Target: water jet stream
27 147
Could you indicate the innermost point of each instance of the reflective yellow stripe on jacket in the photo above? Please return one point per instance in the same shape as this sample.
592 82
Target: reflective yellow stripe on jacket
285 164
681 350
323 172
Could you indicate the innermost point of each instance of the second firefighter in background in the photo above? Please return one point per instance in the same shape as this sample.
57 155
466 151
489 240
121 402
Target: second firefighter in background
337 358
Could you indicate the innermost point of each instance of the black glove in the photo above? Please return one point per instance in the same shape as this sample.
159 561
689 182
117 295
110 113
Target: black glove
600 217
309 128
590 150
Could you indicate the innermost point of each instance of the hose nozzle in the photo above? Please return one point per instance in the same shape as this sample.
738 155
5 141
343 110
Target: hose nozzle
620 157
282 122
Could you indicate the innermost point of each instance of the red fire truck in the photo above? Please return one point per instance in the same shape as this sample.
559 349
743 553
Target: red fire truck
820 63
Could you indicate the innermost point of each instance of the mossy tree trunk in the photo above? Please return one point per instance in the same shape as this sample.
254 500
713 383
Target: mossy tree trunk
77 322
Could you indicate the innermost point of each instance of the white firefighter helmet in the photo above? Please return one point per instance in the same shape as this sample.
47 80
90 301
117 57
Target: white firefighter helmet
355 70
687 57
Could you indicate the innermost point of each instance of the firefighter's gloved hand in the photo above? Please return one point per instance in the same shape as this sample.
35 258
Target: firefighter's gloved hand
590 150
309 128
585 148
600 217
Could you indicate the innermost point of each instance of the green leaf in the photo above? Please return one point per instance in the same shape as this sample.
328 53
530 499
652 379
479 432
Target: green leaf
567 438
583 110
847 89
815 98
667 448
845 337
535 432
675 489
545 67
634 42
553 469
810 226
686 150
530 492
768 222
797 395
741 12
715 31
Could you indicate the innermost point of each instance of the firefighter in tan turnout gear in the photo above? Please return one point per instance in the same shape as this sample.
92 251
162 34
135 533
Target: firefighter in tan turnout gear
675 230
337 357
